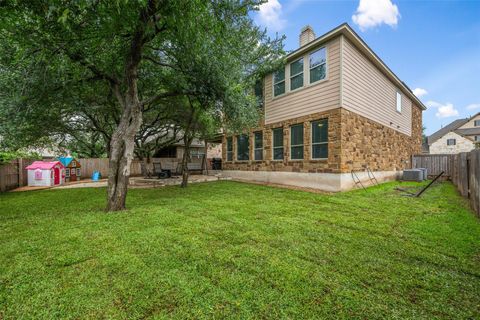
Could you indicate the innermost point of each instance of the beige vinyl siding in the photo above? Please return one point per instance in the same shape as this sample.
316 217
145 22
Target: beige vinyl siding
470 124
368 92
320 96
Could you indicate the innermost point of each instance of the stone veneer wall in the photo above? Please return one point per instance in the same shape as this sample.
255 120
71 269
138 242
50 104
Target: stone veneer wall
332 164
354 142
463 144
365 142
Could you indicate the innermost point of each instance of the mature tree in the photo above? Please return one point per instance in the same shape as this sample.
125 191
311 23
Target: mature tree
141 53
198 120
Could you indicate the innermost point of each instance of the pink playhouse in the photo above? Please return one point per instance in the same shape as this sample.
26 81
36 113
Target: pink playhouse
46 174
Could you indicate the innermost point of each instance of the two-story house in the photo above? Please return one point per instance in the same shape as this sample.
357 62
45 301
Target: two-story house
334 108
460 135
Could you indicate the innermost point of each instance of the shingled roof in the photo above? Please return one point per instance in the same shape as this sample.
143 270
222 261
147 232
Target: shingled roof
448 128
469 131
454 126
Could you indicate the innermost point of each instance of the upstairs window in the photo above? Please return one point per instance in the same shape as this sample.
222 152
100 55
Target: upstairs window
229 149
296 140
451 142
259 93
476 123
242 147
477 138
399 102
258 145
277 143
279 82
296 74
320 139
318 65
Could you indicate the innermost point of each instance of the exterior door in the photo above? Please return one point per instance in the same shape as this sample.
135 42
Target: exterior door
56 176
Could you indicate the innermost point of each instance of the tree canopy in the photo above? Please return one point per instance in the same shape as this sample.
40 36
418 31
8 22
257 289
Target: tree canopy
100 67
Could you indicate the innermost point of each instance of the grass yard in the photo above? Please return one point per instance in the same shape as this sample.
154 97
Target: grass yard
234 250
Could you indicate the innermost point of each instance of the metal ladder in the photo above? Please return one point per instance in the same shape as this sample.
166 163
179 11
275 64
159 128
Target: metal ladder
357 180
371 176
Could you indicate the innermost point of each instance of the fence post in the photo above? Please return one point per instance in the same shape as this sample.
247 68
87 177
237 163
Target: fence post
20 172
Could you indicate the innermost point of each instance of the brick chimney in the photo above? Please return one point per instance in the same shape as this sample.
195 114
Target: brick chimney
306 35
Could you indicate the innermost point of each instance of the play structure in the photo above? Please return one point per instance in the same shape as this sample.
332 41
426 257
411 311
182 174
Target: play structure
46 174
72 168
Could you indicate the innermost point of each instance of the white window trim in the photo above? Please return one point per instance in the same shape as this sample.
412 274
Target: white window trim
297 74
273 146
306 71
310 67
297 145
274 83
67 172
454 142
397 95
316 143
255 149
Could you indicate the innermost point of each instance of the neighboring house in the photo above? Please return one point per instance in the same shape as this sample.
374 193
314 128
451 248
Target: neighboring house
334 108
170 157
459 136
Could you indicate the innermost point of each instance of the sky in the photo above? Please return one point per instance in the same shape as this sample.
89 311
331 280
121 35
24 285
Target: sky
432 46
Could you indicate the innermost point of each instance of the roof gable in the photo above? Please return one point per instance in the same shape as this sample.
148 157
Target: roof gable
65 160
443 131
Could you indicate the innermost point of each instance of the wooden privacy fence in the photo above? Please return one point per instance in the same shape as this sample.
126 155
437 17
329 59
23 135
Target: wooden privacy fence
463 169
14 174
435 163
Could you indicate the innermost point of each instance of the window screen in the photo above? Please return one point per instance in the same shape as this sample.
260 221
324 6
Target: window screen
296 142
320 139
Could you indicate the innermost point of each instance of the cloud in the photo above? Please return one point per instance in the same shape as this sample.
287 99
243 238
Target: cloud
419 92
372 13
270 15
473 106
443 110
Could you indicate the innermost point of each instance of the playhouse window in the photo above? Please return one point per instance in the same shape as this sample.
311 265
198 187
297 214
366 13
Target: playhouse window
78 171
74 163
38 174
67 172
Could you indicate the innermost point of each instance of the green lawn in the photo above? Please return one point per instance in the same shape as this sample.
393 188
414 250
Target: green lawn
234 250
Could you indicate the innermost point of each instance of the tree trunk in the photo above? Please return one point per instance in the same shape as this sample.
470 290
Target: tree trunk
147 166
186 159
121 156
